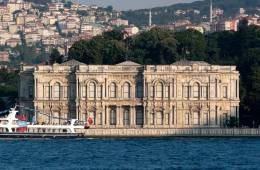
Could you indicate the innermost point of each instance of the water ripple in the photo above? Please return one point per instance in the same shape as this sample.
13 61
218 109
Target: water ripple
170 153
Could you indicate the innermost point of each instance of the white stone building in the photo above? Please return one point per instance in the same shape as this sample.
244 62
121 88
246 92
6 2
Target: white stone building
129 95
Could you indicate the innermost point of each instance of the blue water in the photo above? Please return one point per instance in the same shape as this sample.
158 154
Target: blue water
171 153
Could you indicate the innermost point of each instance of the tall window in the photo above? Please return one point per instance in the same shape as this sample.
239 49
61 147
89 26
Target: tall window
196 118
92 90
126 120
113 90
173 116
225 93
126 91
167 118
196 90
99 119
187 117
225 119
113 117
56 91
139 117
159 90
84 117
159 118
139 90
30 89
205 119
152 117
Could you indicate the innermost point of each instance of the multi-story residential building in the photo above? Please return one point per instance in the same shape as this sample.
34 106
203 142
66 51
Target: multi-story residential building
4 56
32 37
119 22
13 42
130 95
229 25
55 6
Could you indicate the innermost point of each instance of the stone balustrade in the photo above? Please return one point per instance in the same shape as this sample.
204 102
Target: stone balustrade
183 132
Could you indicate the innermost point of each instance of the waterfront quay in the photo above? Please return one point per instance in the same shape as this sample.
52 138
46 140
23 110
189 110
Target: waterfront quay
180 132
134 133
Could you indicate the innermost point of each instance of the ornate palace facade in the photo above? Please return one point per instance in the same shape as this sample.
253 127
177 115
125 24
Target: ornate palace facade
129 95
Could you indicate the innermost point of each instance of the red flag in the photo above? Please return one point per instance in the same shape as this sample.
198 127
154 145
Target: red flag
90 121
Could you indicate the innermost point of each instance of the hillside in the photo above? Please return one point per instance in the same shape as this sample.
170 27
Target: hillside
165 15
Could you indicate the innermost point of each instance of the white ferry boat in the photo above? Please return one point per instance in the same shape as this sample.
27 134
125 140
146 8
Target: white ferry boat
12 124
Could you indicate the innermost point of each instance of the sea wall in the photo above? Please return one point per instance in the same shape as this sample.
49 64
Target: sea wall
200 132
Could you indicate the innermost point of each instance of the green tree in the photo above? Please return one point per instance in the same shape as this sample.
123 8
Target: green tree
192 45
106 49
157 46
55 57
114 35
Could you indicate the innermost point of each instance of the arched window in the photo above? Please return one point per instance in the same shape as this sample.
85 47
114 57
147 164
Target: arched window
56 91
126 90
113 116
159 90
113 90
139 90
196 90
92 90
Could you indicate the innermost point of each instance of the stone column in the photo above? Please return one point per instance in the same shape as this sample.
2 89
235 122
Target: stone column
35 88
103 116
132 91
121 116
163 118
107 111
144 116
147 117
132 119
118 117
175 116
170 117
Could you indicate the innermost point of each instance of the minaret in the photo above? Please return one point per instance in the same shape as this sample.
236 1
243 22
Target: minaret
150 18
211 12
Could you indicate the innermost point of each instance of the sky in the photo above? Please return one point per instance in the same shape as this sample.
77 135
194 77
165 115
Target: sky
133 4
